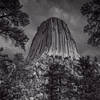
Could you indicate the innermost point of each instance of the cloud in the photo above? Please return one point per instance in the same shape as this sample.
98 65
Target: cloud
24 1
57 12
70 6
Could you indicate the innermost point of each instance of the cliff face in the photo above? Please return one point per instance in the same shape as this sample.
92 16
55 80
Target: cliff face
53 36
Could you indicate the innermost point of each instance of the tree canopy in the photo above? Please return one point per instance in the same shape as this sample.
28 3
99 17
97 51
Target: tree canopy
91 10
88 83
12 22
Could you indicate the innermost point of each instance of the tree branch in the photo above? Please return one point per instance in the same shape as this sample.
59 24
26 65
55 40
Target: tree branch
5 15
11 13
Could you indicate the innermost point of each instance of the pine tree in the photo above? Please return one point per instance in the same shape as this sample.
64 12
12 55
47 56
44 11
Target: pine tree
60 80
88 85
91 10
12 22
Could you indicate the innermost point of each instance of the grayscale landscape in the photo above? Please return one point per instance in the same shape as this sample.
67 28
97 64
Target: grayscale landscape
49 50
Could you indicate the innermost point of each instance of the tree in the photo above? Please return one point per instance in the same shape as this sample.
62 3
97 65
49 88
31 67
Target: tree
13 75
12 22
88 83
14 78
58 87
18 58
58 79
8 89
91 10
55 79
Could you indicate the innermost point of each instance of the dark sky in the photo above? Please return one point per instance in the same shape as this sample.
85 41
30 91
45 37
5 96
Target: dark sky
67 10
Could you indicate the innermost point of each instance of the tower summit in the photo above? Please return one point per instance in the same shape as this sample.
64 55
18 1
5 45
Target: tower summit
54 36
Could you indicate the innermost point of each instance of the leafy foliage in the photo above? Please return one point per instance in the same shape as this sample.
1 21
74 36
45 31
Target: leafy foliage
13 78
49 78
91 10
52 77
88 84
7 87
57 79
58 87
12 21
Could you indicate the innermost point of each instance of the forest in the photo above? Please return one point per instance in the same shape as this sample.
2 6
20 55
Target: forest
50 78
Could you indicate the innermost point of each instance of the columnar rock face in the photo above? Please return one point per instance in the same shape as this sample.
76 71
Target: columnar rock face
54 37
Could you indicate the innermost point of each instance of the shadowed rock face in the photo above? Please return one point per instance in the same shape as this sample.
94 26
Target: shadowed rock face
54 37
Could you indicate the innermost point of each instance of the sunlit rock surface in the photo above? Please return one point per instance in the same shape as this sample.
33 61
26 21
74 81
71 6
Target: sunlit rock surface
54 37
